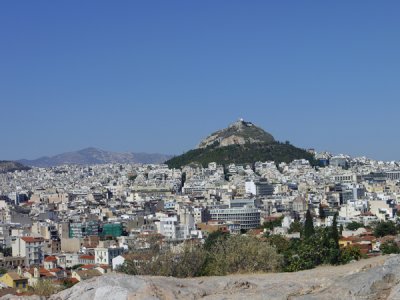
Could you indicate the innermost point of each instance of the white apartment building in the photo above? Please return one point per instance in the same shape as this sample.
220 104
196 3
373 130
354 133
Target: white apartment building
247 217
259 188
104 254
345 178
29 247
172 229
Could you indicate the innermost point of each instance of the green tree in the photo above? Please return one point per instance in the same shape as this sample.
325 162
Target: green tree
308 226
334 231
183 178
354 225
321 211
273 223
213 238
385 228
350 253
305 255
295 226
6 251
74 267
280 243
330 241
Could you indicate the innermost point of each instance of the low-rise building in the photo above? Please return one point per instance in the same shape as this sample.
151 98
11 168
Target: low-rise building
104 254
14 280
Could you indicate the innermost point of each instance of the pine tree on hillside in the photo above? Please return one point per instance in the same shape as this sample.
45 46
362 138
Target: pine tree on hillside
335 248
335 232
321 211
308 226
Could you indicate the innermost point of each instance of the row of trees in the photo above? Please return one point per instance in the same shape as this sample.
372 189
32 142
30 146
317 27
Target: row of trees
316 246
380 229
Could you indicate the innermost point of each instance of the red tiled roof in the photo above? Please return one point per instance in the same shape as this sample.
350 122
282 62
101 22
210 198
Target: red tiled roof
368 213
349 238
50 258
88 266
105 266
91 257
45 273
55 270
30 239
73 280
369 238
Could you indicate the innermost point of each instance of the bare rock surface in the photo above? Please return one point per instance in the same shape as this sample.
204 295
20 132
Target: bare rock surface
238 133
376 279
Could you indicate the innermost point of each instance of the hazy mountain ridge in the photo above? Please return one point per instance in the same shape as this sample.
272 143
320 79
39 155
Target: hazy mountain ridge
11 166
92 156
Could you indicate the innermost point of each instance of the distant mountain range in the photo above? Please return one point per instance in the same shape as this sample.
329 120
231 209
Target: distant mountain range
240 143
92 156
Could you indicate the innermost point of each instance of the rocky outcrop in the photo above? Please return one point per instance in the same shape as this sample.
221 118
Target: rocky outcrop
238 133
375 279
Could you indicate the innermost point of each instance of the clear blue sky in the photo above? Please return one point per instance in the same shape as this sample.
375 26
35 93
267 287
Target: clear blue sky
158 76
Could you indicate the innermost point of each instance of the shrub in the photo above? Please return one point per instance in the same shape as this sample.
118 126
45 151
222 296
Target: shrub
187 263
75 267
45 288
242 254
390 247
296 226
226 255
385 228
354 225
213 238
350 253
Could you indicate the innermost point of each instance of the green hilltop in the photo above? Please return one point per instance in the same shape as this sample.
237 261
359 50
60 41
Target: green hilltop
240 143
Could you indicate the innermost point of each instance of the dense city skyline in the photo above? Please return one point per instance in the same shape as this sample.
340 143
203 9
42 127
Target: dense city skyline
159 77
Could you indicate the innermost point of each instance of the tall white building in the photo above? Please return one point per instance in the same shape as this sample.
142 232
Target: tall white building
29 247
172 229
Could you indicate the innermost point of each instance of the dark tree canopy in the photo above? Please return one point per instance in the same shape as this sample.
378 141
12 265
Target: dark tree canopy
308 226
385 228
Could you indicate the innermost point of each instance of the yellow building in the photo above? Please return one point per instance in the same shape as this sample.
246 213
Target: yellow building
13 280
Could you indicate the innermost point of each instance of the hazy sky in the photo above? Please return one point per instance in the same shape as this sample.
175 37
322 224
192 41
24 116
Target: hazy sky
158 76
